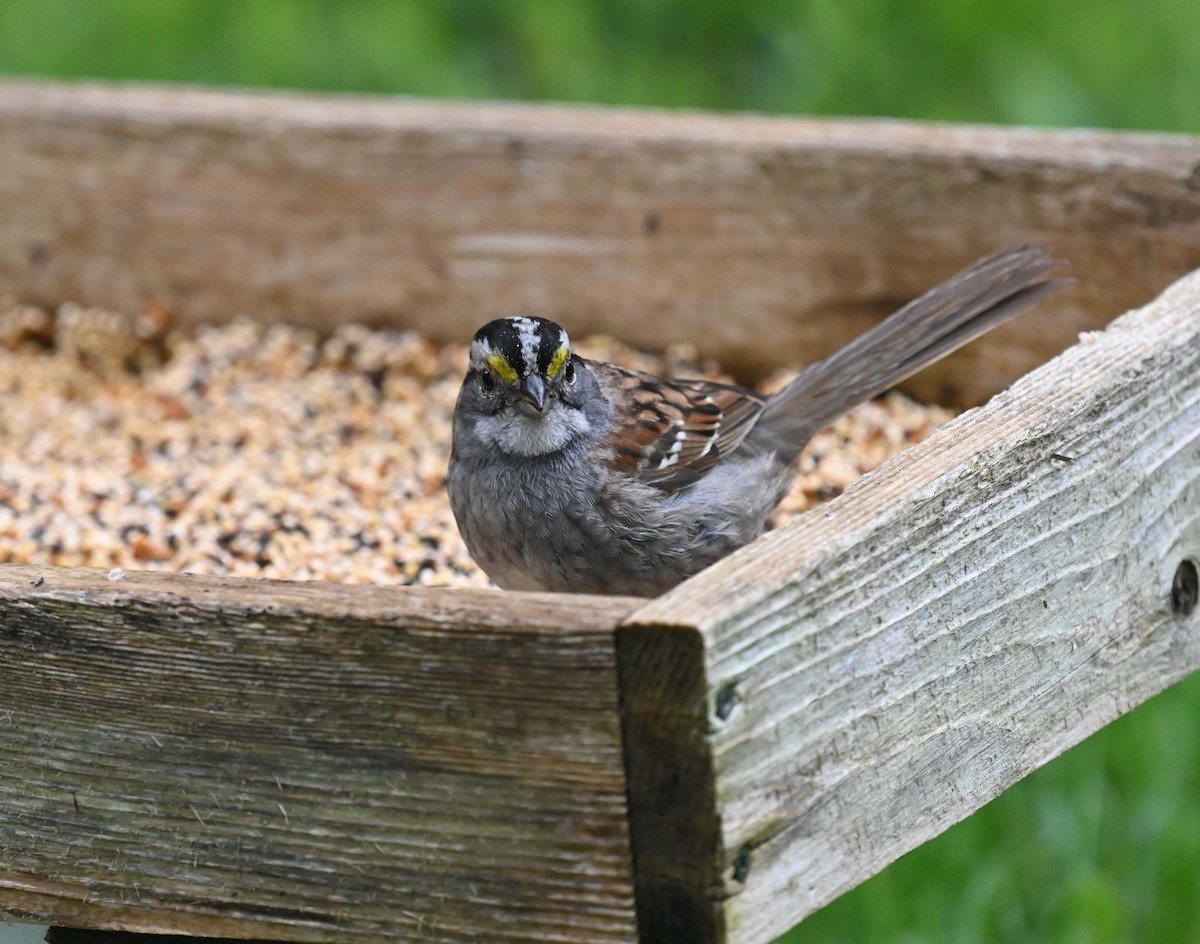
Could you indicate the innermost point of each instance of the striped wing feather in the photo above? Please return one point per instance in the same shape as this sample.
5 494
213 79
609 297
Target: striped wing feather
677 430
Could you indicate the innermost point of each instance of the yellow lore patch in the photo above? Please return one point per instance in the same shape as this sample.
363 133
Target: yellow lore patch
561 356
499 363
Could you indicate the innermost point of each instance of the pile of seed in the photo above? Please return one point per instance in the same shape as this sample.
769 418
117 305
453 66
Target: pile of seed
268 451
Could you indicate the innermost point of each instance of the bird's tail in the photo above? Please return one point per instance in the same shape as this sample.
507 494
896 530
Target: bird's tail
960 309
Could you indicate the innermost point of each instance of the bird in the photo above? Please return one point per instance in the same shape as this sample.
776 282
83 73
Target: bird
580 476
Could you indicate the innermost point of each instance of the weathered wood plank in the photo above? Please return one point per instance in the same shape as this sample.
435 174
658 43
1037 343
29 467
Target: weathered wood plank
890 662
672 809
763 240
310 762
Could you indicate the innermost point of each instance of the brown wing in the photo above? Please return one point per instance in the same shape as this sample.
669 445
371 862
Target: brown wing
677 430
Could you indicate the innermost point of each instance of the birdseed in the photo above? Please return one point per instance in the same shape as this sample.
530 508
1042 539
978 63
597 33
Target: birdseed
269 451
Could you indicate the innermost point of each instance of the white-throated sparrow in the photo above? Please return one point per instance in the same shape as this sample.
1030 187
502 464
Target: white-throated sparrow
575 475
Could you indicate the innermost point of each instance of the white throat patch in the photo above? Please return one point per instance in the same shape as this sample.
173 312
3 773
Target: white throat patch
514 433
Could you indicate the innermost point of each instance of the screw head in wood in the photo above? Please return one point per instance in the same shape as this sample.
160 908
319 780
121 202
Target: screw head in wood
726 701
1185 588
741 865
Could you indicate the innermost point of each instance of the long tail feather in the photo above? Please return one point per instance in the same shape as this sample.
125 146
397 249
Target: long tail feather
960 309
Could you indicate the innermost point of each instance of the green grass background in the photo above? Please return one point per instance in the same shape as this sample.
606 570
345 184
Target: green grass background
1113 63
1103 845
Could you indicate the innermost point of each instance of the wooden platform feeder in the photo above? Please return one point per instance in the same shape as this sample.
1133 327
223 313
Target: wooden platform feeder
310 762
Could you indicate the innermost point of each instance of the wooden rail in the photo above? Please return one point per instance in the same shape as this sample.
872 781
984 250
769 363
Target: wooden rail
871 674
762 240
310 762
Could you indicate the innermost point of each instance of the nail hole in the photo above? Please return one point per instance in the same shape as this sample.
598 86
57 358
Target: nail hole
651 223
1185 588
741 865
726 700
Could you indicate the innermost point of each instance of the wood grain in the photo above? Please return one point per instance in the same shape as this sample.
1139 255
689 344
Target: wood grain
890 662
310 762
672 805
765 241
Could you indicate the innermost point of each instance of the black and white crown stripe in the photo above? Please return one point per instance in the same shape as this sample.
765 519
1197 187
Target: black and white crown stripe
527 344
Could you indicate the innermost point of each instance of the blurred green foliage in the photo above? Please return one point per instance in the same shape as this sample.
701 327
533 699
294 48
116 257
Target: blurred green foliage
1100 846
1111 63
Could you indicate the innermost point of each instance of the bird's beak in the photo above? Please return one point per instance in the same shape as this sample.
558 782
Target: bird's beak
533 393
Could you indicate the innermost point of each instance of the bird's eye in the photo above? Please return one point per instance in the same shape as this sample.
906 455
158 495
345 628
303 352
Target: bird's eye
487 380
569 373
